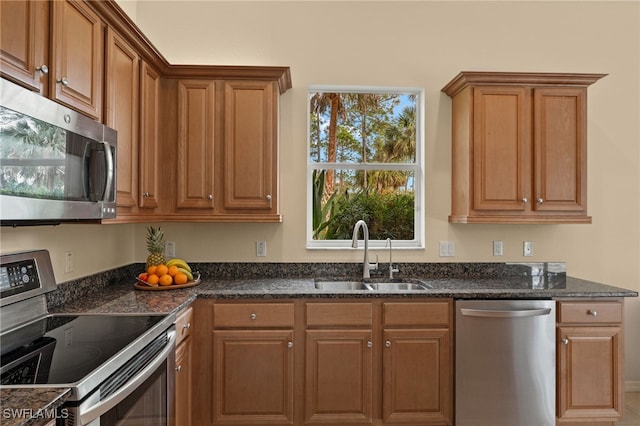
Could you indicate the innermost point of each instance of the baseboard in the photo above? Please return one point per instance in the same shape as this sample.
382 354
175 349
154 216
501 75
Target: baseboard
632 386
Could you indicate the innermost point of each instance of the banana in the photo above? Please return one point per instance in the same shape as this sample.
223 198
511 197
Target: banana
186 272
179 263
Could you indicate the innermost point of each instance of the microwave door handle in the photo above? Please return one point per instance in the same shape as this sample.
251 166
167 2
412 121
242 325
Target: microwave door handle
117 397
108 155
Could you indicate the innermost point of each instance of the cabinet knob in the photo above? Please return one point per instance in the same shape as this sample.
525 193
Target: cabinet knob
565 341
253 316
525 200
592 313
146 194
268 197
540 200
187 326
210 197
43 69
63 81
388 343
369 344
178 368
289 344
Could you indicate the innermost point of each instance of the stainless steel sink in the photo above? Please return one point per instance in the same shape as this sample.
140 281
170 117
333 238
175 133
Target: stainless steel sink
396 286
340 285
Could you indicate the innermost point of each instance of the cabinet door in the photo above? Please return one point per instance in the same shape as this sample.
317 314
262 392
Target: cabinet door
417 375
560 150
121 110
253 377
149 186
196 107
501 149
250 145
77 57
339 376
183 383
24 43
590 361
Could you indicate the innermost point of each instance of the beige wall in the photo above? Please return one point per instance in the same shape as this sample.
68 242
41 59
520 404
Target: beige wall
418 44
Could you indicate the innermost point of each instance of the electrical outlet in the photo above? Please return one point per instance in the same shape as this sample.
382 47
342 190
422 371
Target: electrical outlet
497 248
68 262
447 249
169 249
261 248
528 248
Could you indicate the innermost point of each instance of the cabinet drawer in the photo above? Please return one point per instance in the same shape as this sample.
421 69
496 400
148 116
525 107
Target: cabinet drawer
253 315
184 323
423 313
339 314
590 312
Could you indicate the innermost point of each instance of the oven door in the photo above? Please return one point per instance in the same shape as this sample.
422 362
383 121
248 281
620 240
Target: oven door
141 394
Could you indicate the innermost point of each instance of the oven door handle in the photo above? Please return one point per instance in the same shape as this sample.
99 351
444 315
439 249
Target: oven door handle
105 405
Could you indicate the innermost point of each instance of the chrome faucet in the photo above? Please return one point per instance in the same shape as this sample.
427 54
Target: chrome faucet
391 268
354 243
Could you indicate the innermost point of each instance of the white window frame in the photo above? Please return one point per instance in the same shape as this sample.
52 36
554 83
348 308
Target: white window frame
417 168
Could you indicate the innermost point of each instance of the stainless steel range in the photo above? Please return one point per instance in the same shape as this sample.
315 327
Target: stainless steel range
119 367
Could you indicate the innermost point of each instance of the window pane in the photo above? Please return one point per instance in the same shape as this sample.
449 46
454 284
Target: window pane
385 199
347 127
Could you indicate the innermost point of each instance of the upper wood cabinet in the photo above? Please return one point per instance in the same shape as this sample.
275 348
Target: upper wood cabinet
24 43
519 147
250 146
77 57
73 74
149 153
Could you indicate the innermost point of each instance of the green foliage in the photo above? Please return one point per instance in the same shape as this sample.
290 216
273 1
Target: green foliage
388 215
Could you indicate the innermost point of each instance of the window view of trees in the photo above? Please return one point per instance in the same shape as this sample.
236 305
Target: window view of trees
362 156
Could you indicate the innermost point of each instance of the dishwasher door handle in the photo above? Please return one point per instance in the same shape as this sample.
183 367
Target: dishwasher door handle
488 313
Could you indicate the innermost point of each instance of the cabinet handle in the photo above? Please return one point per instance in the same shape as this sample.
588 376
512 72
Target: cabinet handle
388 343
525 200
268 197
592 313
369 344
289 344
565 341
253 316
540 200
43 69
178 368
210 197
63 81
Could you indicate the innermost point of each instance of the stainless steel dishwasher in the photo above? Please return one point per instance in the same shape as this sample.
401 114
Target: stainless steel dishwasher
505 363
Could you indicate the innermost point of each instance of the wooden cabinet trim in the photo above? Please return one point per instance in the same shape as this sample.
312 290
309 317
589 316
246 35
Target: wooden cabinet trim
583 312
416 314
343 314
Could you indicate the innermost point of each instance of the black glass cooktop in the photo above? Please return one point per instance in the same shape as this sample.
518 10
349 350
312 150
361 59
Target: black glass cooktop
64 349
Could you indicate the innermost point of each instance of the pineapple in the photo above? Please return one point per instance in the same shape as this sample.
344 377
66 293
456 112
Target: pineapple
155 245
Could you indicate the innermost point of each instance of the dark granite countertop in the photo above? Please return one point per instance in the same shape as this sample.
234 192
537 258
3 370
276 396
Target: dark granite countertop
113 292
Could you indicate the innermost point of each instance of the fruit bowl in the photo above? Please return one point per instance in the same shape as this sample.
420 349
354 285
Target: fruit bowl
143 285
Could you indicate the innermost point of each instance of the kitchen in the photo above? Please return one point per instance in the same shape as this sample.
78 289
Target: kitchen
599 37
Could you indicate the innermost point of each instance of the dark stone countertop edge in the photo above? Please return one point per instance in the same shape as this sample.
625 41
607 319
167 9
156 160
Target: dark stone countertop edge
31 407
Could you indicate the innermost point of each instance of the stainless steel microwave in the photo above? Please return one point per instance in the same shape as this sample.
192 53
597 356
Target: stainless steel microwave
56 165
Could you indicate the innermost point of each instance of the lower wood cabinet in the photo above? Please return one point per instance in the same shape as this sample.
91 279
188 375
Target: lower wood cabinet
323 362
183 375
590 362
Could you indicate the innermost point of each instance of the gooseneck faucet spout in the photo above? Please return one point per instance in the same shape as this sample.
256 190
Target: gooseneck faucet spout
354 243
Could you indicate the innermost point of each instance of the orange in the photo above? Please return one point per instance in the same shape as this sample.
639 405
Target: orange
173 270
166 279
151 269
162 270
180 278
153 279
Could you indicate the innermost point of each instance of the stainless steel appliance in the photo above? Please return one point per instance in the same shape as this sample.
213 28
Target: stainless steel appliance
505 363
120 368
56 165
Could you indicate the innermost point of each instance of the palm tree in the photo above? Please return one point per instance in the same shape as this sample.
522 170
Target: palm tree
320 103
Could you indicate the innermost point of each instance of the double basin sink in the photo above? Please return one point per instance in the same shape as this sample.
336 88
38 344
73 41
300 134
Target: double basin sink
388 285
